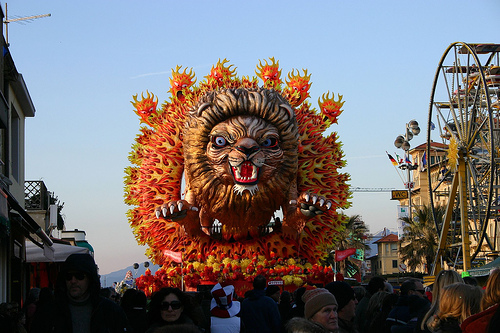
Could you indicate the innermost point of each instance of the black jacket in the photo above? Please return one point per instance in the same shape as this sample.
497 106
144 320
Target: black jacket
107 317
55 316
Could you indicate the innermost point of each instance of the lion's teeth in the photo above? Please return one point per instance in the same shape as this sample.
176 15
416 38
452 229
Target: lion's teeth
254 172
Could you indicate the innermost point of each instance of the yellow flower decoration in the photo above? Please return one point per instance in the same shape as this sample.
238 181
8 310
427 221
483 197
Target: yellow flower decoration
298 281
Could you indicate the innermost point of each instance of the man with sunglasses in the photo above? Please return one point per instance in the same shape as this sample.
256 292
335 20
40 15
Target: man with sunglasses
78 306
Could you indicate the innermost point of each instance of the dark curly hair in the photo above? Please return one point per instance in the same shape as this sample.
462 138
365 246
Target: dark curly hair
154 309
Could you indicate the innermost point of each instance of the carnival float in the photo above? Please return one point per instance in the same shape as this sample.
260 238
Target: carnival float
234 177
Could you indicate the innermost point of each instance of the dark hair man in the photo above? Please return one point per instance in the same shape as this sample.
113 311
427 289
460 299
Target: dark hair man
78 306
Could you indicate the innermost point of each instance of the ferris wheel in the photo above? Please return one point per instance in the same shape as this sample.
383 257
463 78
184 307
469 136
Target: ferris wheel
463 173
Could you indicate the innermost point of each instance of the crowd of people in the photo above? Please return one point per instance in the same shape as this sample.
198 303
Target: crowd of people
78 304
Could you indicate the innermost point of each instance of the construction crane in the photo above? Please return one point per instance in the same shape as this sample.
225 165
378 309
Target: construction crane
371 189
27 18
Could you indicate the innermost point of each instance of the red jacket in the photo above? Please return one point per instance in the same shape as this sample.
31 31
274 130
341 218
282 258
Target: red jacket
478 323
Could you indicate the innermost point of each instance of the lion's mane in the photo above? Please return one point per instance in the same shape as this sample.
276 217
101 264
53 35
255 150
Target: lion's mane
219 199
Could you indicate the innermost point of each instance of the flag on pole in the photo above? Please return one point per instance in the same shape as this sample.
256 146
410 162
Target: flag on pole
174 256
341 255
423 165
407 158
392 159
399 159
432 126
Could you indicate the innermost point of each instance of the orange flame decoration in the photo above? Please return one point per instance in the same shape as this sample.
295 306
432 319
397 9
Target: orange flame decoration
145 107
331 108
156 177
269 73
181 82
298 87
221 74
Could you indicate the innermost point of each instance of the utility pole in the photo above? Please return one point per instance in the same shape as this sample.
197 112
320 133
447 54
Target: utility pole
7 21
402 141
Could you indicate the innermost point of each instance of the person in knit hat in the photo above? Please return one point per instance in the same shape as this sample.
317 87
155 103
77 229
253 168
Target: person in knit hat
321 308
347 301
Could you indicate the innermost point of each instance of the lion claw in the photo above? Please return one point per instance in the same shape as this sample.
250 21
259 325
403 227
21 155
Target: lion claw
174 210
312 204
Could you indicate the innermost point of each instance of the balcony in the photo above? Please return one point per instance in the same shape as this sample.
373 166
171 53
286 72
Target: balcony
36 196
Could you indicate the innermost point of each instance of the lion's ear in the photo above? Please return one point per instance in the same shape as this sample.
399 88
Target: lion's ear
201 108
288 109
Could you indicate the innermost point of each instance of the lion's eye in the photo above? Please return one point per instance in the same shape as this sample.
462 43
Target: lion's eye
270 143
219 141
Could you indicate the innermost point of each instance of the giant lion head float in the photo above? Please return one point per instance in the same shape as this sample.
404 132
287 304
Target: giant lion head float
231 169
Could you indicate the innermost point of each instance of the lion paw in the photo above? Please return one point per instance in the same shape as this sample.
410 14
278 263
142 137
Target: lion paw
312 204
175 210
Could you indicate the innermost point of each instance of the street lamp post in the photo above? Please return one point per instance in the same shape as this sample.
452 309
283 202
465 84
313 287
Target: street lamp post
403 142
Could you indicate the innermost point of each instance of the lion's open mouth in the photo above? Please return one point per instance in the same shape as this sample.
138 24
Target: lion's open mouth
245 173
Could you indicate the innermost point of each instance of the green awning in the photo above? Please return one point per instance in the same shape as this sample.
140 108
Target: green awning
85 244
484 270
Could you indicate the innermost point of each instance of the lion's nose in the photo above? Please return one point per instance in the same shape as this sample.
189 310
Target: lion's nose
247 146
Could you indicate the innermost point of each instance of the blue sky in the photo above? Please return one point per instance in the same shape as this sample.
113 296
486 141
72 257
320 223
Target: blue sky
83 64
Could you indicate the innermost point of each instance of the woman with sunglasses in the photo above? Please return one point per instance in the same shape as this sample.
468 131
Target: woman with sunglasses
169 306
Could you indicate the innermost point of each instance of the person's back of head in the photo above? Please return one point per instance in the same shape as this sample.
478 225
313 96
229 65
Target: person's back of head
131 300
444 278
259 283
360 292
375 284
272 290
298 293
376 300
285 297
46 295
458 301
470 280
342 291
492 290
408 285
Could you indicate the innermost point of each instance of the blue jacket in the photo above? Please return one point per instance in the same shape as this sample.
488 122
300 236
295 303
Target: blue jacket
260 313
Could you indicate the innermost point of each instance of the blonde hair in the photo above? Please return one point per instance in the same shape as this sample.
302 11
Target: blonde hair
443 279
492 290
457 301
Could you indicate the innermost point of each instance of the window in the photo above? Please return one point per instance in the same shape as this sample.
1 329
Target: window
394 247
15 144
394 264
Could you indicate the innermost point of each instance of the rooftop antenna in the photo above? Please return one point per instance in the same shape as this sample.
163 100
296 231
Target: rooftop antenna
26 18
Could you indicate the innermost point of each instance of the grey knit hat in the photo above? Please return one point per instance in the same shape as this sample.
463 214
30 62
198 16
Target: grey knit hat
316 299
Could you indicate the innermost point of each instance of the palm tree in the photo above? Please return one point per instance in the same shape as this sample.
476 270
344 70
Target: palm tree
352 234
420 238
